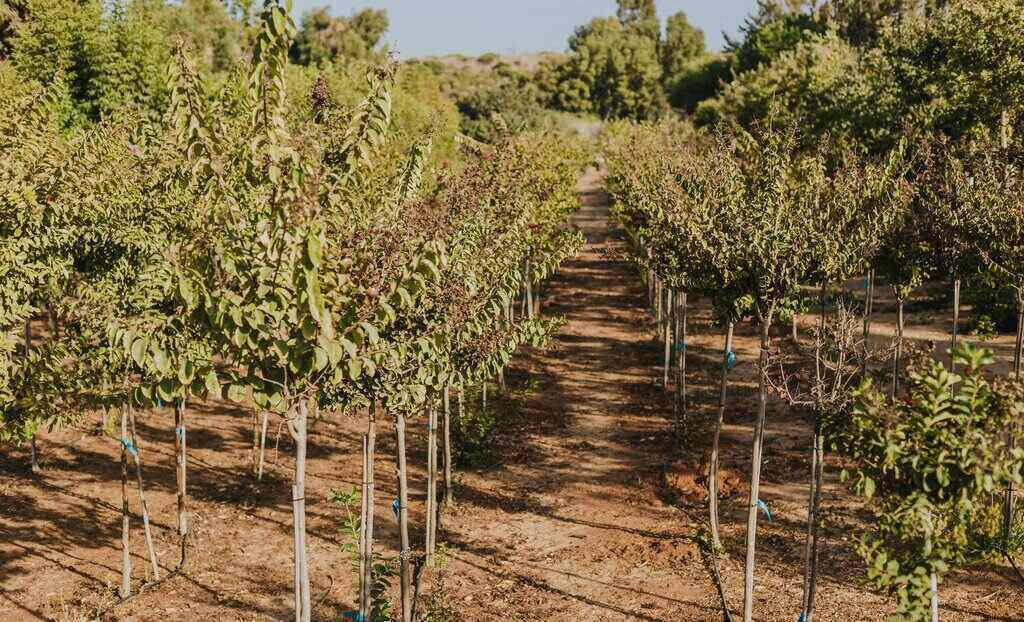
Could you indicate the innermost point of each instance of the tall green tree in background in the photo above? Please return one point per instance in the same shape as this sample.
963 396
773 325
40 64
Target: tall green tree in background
683 43
325 38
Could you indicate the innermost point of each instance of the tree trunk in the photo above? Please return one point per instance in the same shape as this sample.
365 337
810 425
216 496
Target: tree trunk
364 585
657 303
449 494
898 355
142 499
814 522
935 598
1011 435
795 336
529 292
431 538
126 556
181 470
33 456
755 472
296 529
54 322
263 446
954 338
301 434
713 468
405 574
368 500
667 363
868 310
681 363
483 396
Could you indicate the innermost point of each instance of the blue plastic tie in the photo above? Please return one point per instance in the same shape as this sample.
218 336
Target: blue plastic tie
395 507
179 432
131 448
354 615
730 359
803 617
764 508
159 403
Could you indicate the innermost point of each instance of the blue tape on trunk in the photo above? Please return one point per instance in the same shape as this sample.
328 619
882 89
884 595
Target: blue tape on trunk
802 618
354 615
680 347
395 507
764 508
730 359
179 432
127 444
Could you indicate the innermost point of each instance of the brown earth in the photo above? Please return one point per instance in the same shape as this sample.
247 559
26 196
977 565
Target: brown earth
582 512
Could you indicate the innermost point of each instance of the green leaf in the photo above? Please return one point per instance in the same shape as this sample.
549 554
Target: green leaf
139 350
314 251
212 384
236 393
355 368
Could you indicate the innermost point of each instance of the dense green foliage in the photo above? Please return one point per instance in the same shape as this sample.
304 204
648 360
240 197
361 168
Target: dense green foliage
932 462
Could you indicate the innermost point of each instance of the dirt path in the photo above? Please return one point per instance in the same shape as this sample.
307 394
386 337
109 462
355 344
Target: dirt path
580 534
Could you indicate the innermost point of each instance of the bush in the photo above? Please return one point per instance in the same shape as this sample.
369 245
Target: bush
699 79
933 462
517 102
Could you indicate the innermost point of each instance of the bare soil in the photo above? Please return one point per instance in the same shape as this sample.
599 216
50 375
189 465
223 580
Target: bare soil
584 512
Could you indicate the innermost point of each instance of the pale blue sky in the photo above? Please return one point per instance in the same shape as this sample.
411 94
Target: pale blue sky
424 27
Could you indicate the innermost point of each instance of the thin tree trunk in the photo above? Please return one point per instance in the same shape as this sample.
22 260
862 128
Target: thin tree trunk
667 363
868 310
755 472
658 301
815 522
1011 434
405 574
181 470
529 292
483 396
681 362
935 597
297 541
713 468
142 500
812 490
263 446
54 322
33 457
371 448
301 427
795 336
364 585
449 494
954 338
898 355
431 485
126 556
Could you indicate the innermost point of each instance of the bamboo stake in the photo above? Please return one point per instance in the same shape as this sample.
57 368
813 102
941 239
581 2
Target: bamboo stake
142 499
713 468
126 557
817 472
681 362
